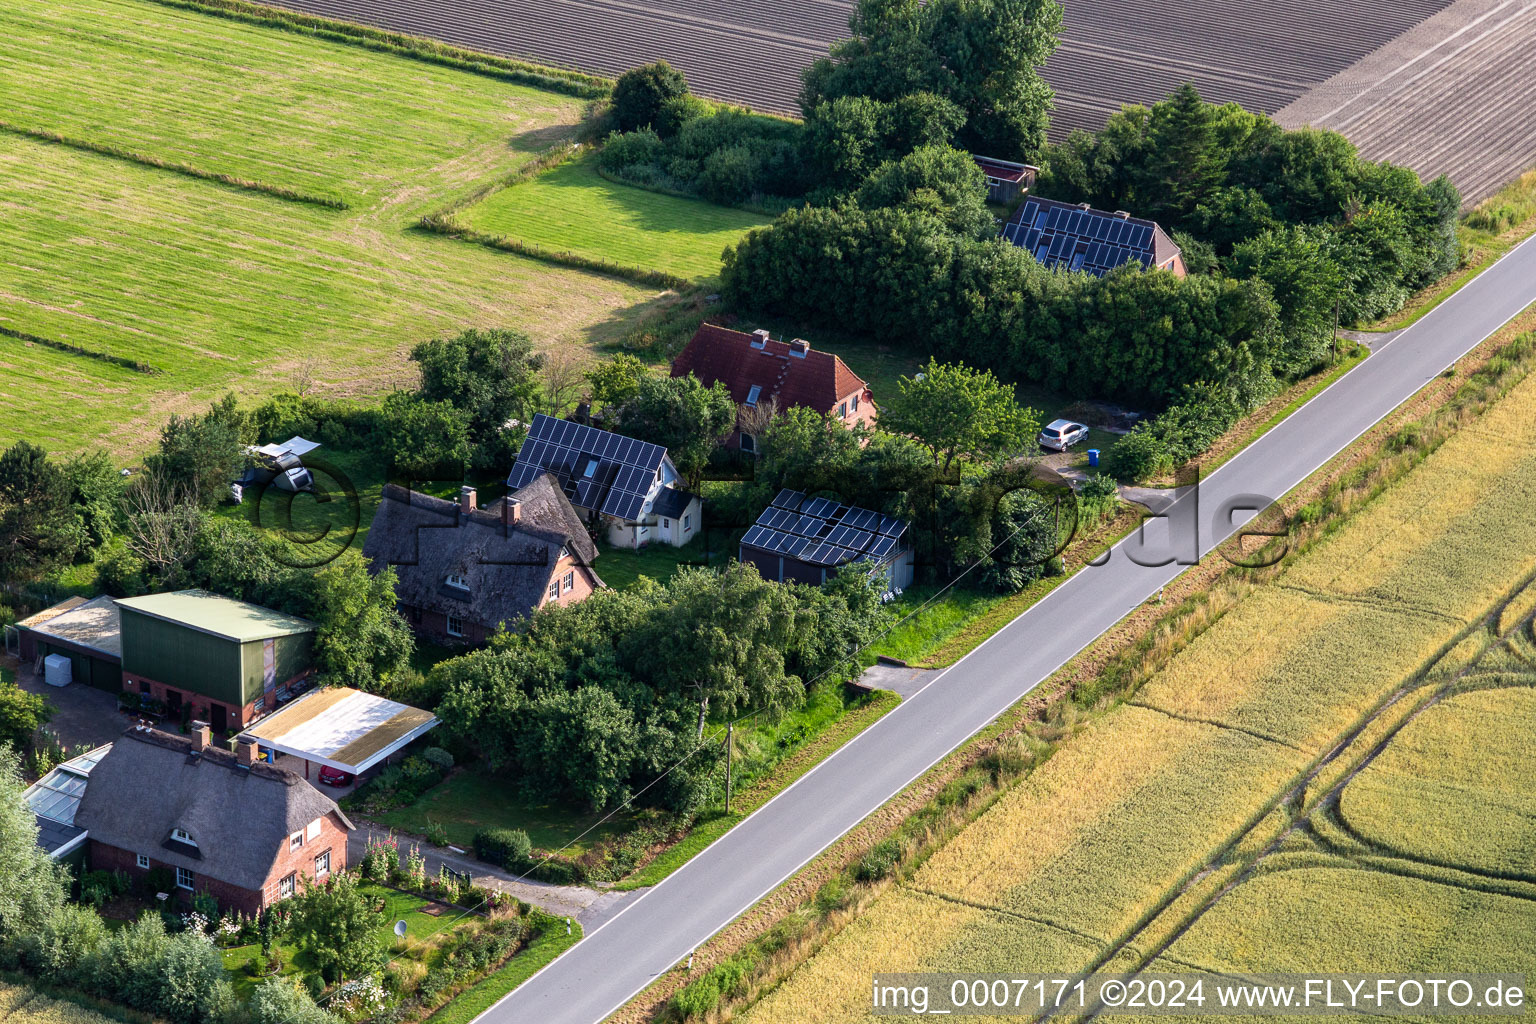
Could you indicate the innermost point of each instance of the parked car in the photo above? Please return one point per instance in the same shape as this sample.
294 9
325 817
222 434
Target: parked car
335 776
1059 435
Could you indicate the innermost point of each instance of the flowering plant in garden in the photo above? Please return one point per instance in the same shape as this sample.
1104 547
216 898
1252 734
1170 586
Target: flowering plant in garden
197 924
380 857
360 998
416 866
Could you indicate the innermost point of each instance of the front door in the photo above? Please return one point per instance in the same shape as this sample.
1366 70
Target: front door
219 719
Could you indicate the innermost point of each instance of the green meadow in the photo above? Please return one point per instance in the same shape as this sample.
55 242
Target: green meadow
572 208
213 287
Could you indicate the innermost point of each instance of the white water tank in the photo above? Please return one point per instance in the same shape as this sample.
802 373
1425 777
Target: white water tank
56 670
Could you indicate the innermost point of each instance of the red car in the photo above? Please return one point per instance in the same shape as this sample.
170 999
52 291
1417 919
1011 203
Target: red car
335 776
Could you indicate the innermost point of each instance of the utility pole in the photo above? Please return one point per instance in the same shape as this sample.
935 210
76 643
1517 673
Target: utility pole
1336 330
730 734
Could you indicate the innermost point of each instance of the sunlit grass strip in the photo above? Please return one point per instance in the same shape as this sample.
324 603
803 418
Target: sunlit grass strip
76 350
118 153
543 76
1454 787
21 1004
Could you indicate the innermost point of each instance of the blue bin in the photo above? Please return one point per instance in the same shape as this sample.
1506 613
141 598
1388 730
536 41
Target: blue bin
1093 456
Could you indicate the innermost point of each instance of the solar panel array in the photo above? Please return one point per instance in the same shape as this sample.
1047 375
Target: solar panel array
600 471
820 531
1078 239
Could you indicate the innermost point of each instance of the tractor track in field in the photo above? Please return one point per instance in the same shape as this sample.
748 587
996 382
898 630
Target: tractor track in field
1294 799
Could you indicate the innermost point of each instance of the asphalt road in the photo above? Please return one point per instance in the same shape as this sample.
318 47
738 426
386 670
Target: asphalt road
617 960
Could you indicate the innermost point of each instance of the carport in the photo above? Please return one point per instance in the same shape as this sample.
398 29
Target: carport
341 727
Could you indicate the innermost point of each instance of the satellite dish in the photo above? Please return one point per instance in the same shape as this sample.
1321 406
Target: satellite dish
400 929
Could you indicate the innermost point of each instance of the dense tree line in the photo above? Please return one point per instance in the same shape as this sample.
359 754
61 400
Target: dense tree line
902 273
913 75
596 701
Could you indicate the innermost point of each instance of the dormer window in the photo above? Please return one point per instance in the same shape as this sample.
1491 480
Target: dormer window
458 580
181 835
752 394
564 553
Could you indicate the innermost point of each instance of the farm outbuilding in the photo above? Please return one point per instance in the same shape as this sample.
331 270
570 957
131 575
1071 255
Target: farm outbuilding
342 728
86 632
799 539
228 661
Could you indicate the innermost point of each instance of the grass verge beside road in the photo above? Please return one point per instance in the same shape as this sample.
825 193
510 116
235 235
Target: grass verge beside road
478 998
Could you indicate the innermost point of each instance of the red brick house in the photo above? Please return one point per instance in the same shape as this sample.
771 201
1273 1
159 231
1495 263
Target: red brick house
462 571
757 370
243 831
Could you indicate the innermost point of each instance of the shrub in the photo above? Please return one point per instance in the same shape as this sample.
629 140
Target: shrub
678 111
282 1001
437 833
438 758
640 94
161 879
880 861
1138 455
631 149
509 848
702 995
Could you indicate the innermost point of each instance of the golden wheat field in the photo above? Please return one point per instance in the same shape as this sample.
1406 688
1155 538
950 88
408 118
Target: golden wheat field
19 1005
1069 861
1426 799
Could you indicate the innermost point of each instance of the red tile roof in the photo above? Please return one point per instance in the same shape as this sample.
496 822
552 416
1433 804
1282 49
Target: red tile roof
819 380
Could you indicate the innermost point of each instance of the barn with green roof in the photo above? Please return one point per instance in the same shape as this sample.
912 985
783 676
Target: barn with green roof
212 658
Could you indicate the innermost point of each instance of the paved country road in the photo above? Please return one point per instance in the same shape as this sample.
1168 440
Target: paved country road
615 961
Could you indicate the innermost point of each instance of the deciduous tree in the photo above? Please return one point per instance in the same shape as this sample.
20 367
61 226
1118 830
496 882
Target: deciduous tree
955 411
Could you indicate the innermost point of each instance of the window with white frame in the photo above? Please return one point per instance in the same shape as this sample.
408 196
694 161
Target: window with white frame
285 887
666 524
570 581
323 864
181 835
749 444
842 410
687 522
141 860
455 625
855 402
295 841
753 393
458 580
554 589
314 829
184 878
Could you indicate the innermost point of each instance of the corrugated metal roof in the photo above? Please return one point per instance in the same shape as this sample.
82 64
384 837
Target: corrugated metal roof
219 615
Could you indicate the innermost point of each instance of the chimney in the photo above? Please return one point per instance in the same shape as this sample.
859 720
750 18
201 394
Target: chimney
247 751
468 499
1084 206
759 338
799 347
1122 215
511 511
199 737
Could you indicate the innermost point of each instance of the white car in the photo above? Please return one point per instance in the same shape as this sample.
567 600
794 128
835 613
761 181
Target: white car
1059 435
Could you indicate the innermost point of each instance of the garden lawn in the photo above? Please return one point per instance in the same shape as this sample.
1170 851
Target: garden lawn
1095 839
468 801
622 567
398 906
217 288
572 208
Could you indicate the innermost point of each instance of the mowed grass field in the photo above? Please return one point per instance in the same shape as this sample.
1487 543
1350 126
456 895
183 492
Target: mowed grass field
1065 868
572 208
219 288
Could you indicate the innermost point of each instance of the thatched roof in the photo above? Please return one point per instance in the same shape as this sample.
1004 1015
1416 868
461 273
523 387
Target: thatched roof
240 818
507 567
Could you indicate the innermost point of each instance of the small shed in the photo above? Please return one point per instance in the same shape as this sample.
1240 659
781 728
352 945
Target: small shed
87 632
228 660
807 540
1007 180
342 728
